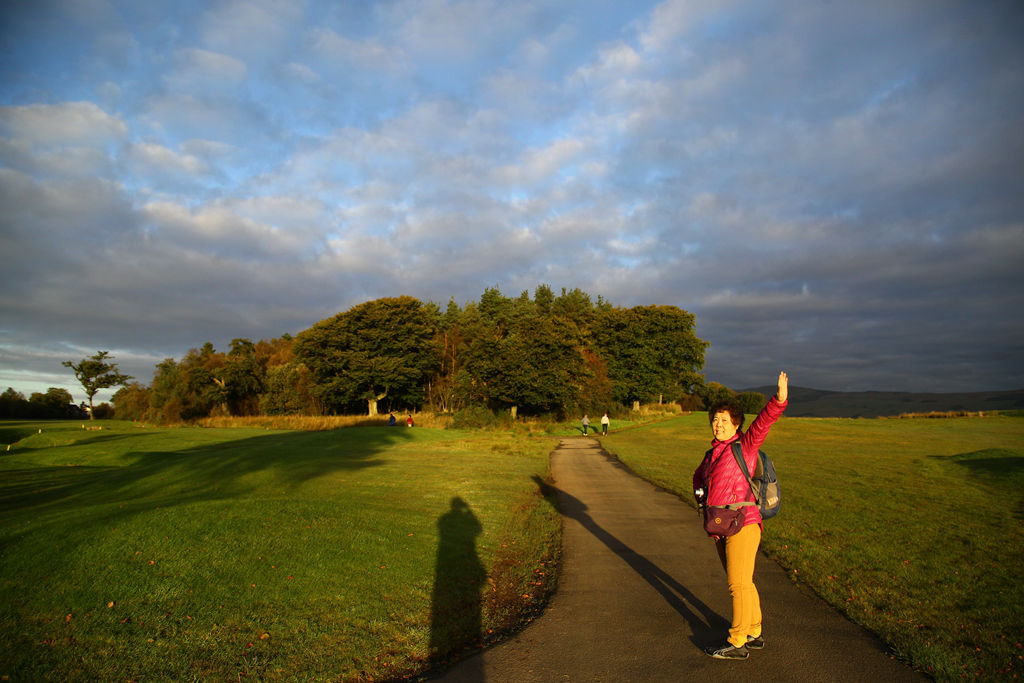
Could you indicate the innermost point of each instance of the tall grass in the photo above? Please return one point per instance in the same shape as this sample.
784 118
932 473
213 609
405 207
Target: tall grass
913 528
142 553
319 423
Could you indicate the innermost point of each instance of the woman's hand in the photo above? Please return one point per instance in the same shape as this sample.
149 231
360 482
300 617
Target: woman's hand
783 393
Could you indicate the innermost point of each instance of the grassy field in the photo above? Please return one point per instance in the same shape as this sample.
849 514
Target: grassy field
913 528
140 553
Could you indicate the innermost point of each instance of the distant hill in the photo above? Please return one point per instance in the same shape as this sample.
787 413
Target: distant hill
817 403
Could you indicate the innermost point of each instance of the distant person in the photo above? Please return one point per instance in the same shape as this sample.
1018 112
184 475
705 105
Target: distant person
720 481
408 421
604 424
586 423
391 420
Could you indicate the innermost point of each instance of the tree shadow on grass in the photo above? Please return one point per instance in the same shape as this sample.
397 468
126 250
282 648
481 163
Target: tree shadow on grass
146 480
705 623
455 612
998 469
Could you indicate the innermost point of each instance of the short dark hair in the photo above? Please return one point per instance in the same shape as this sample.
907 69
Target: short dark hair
735 412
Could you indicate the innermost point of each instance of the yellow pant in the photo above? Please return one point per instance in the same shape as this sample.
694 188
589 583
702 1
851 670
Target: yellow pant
738 553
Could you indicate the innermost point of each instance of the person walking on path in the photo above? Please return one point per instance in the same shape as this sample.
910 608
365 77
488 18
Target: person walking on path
719 481
586 423
604 424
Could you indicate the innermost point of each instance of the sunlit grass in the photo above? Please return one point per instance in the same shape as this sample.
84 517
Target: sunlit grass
912 528
140 553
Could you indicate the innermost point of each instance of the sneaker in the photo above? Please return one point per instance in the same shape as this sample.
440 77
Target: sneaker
755 643
727 651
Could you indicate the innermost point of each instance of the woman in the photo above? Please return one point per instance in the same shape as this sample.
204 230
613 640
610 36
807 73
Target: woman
722 482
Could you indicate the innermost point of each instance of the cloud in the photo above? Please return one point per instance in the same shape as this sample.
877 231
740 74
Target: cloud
152 159
833 188
201 71
71 123
252 29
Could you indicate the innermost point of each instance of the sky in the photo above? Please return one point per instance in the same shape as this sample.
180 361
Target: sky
832 188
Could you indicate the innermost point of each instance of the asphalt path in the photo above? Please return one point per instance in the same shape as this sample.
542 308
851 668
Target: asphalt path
641 592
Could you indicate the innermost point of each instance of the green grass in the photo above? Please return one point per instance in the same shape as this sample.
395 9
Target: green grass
137 553
913 528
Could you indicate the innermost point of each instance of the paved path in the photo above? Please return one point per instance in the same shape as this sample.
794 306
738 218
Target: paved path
641 592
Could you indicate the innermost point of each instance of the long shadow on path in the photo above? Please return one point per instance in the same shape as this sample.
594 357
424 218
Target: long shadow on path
705 623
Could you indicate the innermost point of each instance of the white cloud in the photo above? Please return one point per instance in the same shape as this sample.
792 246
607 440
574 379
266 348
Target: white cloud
303 73
537 166
223 231
672 23
456 30
162 160
340 52
252 29
200 71
71 123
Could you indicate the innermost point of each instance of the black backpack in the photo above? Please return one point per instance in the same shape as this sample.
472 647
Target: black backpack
764 483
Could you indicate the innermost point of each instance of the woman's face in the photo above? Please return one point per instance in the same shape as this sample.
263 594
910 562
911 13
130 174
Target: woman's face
722 426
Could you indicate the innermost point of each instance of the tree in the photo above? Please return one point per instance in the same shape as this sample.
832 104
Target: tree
517 357
55 404
751 402
166 392
95 373
131 402
386 348
243 377
652 352
13 404
441 390
288 391
715 393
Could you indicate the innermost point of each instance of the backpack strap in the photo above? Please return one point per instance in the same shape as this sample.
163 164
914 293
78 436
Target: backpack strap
737 452
732 506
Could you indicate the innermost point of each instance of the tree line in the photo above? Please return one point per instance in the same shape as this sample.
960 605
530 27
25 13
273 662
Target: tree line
53 404
548 354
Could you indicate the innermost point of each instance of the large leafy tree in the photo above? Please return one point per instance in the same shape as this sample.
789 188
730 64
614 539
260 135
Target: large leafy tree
381 349
652 351
56 403
202 381
519 357
243 377
442 389
131 402
95 373
191 389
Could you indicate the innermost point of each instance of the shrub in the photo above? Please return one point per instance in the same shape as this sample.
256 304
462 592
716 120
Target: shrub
477 417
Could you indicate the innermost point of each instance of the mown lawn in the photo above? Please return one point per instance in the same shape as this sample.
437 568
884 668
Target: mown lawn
913 528
140 553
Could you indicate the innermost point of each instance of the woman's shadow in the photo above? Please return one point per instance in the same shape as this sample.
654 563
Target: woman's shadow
705 623
455 619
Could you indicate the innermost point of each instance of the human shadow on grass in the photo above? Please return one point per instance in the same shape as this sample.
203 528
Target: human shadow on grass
705 623
459 578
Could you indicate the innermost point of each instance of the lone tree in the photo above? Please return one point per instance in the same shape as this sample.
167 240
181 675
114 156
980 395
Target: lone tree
385 348
95 373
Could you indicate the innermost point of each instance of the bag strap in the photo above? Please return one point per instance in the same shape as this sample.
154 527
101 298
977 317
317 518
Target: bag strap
733 506
737 452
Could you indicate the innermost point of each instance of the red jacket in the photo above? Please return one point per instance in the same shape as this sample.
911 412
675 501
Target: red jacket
720 476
